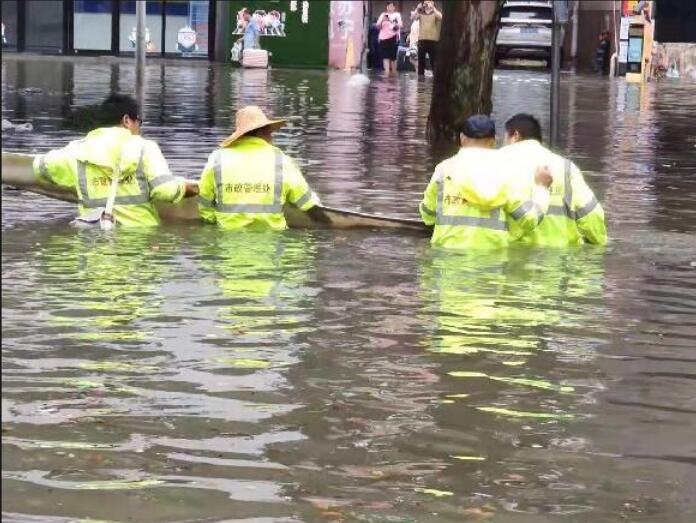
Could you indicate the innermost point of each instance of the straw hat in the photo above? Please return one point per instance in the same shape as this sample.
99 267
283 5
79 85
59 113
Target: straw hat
248 119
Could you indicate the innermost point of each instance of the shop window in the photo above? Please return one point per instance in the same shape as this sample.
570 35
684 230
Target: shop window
9 24
153 27
43 26
186 27
92 23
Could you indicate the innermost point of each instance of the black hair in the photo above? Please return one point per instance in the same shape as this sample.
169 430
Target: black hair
526 125
108 113
116 106
259 132
391 3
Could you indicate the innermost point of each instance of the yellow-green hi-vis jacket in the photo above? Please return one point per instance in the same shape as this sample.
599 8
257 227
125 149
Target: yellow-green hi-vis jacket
87 165
574 216
472 201
246 184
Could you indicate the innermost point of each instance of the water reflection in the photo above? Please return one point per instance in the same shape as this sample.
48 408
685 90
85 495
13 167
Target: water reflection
263 283
523 374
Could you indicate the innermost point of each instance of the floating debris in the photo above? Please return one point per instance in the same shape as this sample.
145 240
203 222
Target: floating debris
469 458
244 363
539 384
18 128
118 484
524 414
435 492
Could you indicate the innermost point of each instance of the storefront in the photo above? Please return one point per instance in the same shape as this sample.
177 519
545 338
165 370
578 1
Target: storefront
174 27
294 31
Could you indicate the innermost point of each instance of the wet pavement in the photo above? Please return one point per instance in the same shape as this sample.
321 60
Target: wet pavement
190 375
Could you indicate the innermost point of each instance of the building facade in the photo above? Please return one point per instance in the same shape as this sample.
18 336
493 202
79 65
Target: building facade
298 33
188 29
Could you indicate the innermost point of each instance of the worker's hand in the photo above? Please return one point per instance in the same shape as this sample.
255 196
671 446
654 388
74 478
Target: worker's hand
192 189
543 176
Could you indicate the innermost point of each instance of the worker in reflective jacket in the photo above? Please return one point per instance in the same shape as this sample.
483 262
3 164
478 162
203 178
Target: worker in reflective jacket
471 198
86 166
574 216
248 180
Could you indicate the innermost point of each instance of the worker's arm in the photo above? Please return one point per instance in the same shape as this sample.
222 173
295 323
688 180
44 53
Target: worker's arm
295 187
528 208
163 185
438 14
587 211
206 186
56 167
428 206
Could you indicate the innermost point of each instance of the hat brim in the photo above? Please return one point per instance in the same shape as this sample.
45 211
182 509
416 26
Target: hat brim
273 124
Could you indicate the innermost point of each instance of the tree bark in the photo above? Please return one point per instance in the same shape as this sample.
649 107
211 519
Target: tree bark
463 76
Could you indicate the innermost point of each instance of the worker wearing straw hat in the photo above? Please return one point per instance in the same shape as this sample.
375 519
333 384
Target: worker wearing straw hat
247 180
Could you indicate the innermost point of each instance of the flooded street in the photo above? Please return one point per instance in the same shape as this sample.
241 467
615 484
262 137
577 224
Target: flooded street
191 375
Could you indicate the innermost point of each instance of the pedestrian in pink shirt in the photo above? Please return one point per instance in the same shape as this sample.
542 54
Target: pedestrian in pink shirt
389 24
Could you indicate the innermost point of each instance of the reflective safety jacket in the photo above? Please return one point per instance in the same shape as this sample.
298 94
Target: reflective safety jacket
575 216
471 202
87 166
246 184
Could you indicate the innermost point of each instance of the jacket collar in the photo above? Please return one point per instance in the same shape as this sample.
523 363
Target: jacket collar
523 145
249 141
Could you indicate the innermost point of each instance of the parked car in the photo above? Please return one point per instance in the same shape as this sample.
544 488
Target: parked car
525 30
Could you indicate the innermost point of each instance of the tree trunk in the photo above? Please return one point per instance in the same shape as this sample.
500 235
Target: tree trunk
463 76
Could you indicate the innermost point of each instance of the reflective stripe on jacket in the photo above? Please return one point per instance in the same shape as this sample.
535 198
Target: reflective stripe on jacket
470 202
87 166
575 216
247 184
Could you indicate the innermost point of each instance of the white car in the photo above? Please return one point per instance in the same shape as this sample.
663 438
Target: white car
525 30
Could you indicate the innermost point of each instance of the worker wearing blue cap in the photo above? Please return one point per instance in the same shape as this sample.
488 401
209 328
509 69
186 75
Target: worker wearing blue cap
471 197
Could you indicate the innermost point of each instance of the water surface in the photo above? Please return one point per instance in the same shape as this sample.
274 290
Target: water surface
188 375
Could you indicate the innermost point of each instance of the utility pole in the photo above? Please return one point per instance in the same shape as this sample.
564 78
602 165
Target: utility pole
140 50
561 12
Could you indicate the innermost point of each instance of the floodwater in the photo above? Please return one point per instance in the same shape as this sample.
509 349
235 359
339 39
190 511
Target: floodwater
189 375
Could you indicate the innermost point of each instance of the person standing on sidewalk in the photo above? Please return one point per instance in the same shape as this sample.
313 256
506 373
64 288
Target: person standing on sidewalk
430 20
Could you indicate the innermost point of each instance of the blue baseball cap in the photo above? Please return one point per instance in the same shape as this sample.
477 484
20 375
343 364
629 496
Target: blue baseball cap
478 126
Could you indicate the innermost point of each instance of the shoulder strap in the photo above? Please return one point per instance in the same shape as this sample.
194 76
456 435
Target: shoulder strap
107 219
568 196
